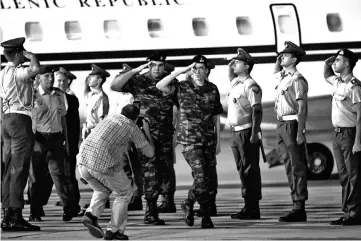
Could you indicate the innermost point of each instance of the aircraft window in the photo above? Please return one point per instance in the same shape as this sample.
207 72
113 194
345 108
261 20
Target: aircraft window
286 23
244 25
200 27
73 30
334 22
33 31
111 29
155 28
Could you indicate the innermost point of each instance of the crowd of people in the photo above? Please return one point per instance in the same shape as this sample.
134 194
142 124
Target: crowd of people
131 153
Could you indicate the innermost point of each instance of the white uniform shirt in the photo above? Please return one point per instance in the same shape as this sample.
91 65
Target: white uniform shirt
289 89
240 99
344 97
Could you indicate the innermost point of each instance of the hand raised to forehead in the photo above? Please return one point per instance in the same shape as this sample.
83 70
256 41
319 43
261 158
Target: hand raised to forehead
330 60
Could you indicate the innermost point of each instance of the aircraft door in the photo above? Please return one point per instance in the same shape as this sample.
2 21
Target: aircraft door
286 24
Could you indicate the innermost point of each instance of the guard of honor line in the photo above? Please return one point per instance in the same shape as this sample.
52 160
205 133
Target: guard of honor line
131 153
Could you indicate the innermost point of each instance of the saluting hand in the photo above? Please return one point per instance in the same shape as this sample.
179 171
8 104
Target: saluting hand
141 67
27 54
300 138
356 148
330 60
189 67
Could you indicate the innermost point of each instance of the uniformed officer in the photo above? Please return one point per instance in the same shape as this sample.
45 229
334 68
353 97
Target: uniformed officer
96 100
245 116
50 126
200 106
291 108
16 91
346 139
62 80
157 108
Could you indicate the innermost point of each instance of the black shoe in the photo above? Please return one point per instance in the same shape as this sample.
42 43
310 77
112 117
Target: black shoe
35 218
295 215
91 222
188 213
351 221
70 213
337 222
85 206
18 223
207 223
213 211
247 213
5 224
149 219
109 235
135 204
81 213
58 204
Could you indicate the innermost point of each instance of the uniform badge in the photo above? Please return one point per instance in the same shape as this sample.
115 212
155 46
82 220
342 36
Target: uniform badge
161 58
201 60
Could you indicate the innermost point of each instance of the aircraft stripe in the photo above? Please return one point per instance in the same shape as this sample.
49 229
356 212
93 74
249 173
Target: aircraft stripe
181 57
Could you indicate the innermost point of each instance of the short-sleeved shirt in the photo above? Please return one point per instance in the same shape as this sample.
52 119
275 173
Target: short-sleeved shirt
122 99
155 105
240 99
96 107
346 93
16 89
48 110
197 105
103 150
289 89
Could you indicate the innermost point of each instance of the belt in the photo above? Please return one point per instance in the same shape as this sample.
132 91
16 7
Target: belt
341 129
51 134
241 127
287 118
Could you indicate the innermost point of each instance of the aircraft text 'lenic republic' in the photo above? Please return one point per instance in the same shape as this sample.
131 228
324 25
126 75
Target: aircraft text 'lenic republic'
33 4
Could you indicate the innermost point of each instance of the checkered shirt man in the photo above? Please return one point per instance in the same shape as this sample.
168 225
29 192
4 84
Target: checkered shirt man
103 149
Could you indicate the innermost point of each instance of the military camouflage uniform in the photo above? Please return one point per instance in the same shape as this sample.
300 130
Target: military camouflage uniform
157 107
198 104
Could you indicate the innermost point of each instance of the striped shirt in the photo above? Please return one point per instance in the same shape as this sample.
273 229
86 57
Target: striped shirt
103 149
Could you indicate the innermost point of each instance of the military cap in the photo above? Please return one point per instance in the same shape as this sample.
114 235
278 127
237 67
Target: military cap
157 56
244 56
130 111
348 54
200 59
67 73
96 70
47 69
210 65
293 48
16 43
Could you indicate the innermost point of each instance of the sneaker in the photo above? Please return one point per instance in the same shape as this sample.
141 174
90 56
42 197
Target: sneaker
109 235
91 222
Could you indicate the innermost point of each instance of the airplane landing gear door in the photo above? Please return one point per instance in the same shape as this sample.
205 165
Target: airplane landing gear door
286 24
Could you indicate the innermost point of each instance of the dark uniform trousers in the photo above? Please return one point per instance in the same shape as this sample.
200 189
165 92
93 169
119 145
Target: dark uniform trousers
246 156
167 165
201 168
349 169
49 158
18 140
294 158
134 171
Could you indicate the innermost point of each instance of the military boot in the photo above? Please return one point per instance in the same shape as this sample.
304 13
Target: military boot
167 205
187 206
18 223
5 224
206 218
213 211
249 211
151 213
297 214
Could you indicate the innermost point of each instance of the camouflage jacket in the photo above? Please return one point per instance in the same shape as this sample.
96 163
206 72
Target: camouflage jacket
198 104
156 106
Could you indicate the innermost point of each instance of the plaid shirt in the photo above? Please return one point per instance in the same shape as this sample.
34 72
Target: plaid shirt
103 149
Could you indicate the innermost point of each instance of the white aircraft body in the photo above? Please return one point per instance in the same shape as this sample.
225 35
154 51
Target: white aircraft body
78 33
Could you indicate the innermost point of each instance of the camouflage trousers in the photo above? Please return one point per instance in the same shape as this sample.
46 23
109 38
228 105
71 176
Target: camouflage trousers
201 165
152 177
166 163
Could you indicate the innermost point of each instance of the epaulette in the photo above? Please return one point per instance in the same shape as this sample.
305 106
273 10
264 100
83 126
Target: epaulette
355 82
